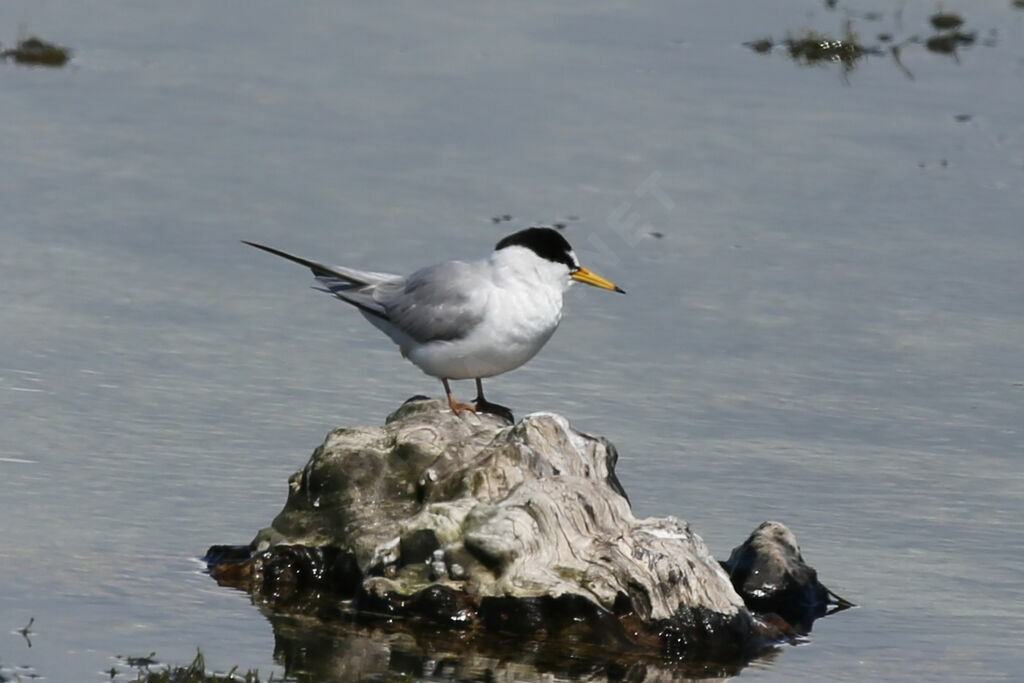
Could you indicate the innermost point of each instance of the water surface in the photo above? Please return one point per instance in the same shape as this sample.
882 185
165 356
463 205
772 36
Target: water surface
826 329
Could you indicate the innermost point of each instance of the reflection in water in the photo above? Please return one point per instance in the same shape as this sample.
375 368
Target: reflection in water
319 635
347 649
322 632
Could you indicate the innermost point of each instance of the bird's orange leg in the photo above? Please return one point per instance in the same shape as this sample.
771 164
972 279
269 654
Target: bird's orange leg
452 403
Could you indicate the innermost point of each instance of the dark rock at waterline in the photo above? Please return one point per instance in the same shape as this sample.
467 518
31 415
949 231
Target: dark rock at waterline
770 574
491 528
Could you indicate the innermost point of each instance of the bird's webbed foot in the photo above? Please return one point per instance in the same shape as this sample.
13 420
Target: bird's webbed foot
458 407
485 406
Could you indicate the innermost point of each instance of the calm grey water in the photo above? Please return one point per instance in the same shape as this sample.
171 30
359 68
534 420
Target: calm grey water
830 331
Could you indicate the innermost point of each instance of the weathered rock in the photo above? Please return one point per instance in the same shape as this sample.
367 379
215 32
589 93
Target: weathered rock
770 574
488 527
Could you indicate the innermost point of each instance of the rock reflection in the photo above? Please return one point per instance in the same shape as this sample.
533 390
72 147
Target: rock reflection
348 649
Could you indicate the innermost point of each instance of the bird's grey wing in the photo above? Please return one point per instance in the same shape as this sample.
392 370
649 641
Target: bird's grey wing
348 284
438 303
359 287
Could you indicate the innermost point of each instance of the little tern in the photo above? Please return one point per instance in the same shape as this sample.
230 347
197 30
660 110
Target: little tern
458 320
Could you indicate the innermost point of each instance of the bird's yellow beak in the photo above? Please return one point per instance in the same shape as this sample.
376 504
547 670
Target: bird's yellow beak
588 278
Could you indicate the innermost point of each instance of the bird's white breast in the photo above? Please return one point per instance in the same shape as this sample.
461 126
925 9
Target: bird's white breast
524 307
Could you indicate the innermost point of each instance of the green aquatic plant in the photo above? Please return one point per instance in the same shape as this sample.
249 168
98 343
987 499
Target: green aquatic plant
761 45
195 672
36 51
811 47
26 630
947 43
943 21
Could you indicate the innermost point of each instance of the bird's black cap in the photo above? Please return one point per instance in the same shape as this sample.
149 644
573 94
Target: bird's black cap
547 243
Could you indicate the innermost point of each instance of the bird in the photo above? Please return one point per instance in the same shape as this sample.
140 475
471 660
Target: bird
461 320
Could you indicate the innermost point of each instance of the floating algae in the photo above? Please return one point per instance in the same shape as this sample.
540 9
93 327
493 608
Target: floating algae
36 51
